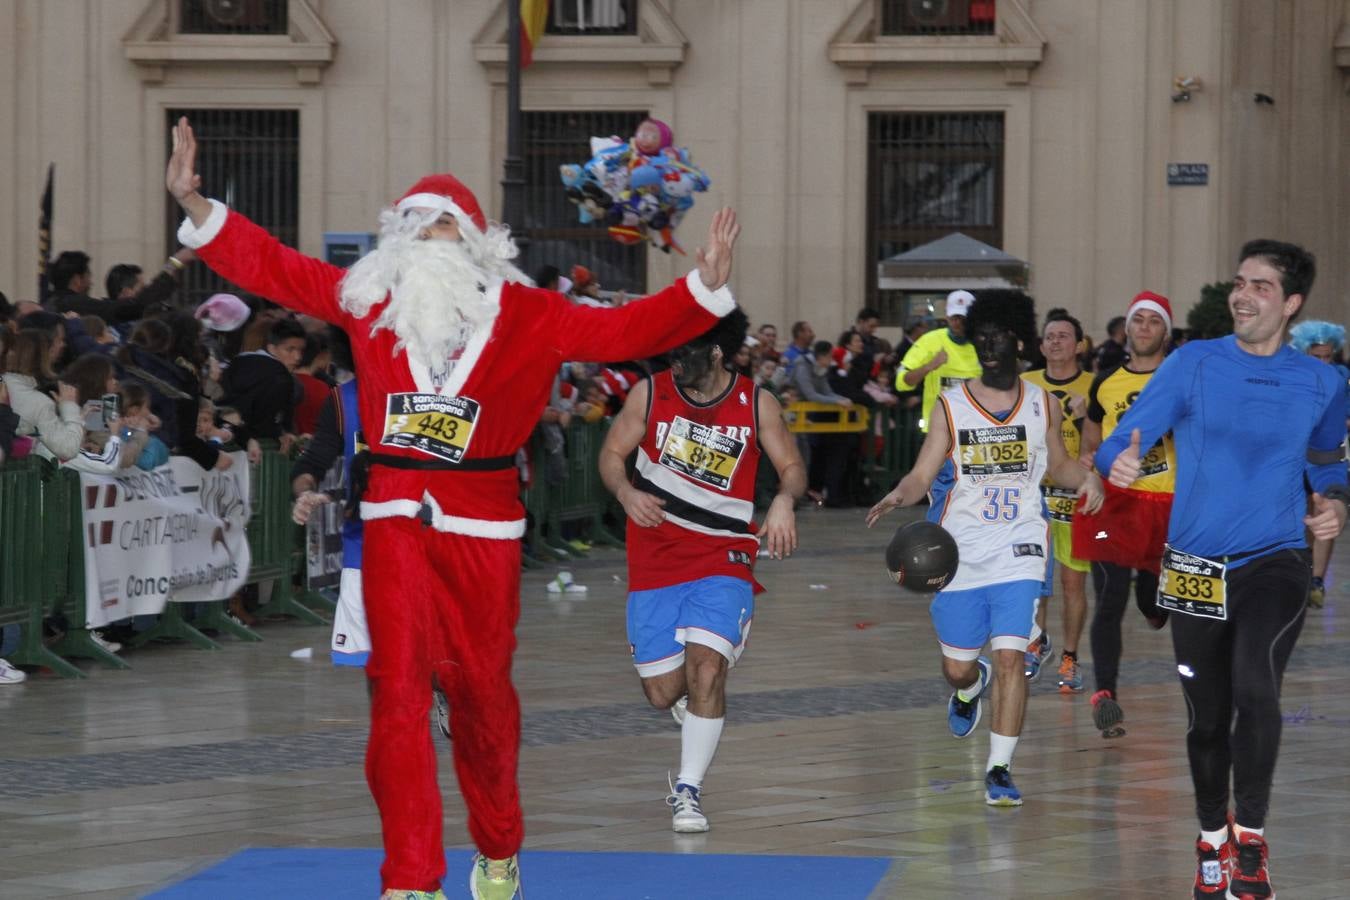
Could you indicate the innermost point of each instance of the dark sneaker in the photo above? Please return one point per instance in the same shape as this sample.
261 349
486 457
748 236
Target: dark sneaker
1107 714
999 789
1212 868
964 715
1250 878
442 712
1037 654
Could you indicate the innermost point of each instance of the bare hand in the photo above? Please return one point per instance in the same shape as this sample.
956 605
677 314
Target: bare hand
254 451
884 505
1327 518
285 443
4 394
67 393
1092 493
938 361
1125 470
642 508
780 527
714 259
181 177
70 315
305 505
223 461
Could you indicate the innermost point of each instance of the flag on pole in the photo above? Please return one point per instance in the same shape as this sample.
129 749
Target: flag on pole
533 18
45 235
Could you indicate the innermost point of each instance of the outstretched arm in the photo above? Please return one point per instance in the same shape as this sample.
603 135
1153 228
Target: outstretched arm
1066 471
657 323
241 252
915 485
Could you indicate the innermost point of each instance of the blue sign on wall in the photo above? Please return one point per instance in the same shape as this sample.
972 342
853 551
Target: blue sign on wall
1187 173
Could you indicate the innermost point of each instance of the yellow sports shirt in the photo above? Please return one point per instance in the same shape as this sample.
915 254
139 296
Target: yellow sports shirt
962 363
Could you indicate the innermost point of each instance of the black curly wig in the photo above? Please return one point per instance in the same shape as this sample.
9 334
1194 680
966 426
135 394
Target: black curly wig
729 334
1006 310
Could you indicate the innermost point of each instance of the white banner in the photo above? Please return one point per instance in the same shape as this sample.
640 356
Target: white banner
175 533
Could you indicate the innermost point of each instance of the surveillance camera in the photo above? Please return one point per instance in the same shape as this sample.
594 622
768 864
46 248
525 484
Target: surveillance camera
1184 84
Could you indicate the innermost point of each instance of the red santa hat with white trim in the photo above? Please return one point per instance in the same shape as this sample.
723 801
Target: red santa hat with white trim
445 193
616 383
1155 303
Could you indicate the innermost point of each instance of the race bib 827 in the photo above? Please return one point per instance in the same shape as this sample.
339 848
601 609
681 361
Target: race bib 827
701 453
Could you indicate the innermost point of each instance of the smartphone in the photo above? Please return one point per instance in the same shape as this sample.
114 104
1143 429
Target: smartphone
112 409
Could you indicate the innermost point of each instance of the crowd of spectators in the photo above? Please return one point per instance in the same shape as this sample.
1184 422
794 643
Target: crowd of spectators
106 384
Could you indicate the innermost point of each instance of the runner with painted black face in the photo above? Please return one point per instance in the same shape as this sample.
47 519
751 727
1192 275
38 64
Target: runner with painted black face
991 441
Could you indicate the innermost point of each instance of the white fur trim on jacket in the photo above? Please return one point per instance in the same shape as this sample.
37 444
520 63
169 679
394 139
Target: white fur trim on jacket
718 302
190 235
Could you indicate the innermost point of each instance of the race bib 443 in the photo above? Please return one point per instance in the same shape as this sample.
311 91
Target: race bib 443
437 426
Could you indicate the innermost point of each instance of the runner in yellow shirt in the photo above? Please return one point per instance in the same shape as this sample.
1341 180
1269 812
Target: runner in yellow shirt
1069 384
942 358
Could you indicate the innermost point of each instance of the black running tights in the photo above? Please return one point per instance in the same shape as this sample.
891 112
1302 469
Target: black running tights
1111 583
1230 673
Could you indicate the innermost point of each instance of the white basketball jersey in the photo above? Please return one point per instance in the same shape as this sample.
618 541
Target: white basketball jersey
992 501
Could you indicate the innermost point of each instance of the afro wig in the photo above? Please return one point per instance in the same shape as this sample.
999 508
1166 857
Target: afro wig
1306 334
729 333
1009 310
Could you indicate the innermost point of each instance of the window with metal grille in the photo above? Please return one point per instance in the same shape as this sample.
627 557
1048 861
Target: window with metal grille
937 17
249 159
552 139
592 17
928 175
232 16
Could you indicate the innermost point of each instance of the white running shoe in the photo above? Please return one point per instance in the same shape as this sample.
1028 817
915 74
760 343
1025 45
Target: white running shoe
679 708
686 813
11 675
110 646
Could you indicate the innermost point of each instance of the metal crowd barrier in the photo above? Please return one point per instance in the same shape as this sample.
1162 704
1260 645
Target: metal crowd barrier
42 541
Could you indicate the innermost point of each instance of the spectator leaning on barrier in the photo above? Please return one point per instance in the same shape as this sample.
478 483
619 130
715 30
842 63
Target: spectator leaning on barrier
57 424
802 337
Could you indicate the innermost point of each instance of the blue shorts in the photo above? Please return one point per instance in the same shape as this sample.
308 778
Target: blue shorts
713 611
1000 614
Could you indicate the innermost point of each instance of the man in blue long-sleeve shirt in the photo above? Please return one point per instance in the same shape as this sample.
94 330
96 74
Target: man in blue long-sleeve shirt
1250 418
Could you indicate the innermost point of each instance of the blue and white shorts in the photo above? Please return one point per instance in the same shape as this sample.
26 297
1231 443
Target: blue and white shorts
715 611
998 614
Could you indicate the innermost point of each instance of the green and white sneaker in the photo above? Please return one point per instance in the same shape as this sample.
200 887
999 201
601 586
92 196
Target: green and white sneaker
494 879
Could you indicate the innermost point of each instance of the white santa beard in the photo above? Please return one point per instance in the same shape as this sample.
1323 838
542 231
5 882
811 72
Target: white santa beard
437 294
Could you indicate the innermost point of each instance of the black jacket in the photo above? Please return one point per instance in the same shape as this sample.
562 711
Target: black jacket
261 387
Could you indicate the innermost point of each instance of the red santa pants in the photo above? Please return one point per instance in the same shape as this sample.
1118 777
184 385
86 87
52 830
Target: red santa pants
445 604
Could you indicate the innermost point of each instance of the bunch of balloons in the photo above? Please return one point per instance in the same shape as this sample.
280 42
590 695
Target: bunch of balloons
641 188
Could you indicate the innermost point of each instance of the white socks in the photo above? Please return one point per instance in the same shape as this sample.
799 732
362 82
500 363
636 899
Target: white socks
698 743
1240 830
1001 747
1215 839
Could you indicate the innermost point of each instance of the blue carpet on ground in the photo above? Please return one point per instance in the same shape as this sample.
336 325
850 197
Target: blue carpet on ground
287 874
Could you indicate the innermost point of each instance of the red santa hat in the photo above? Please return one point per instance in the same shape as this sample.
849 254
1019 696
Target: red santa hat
616 384
445 193
1153 302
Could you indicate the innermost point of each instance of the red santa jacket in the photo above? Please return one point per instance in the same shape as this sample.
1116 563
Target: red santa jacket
492 399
